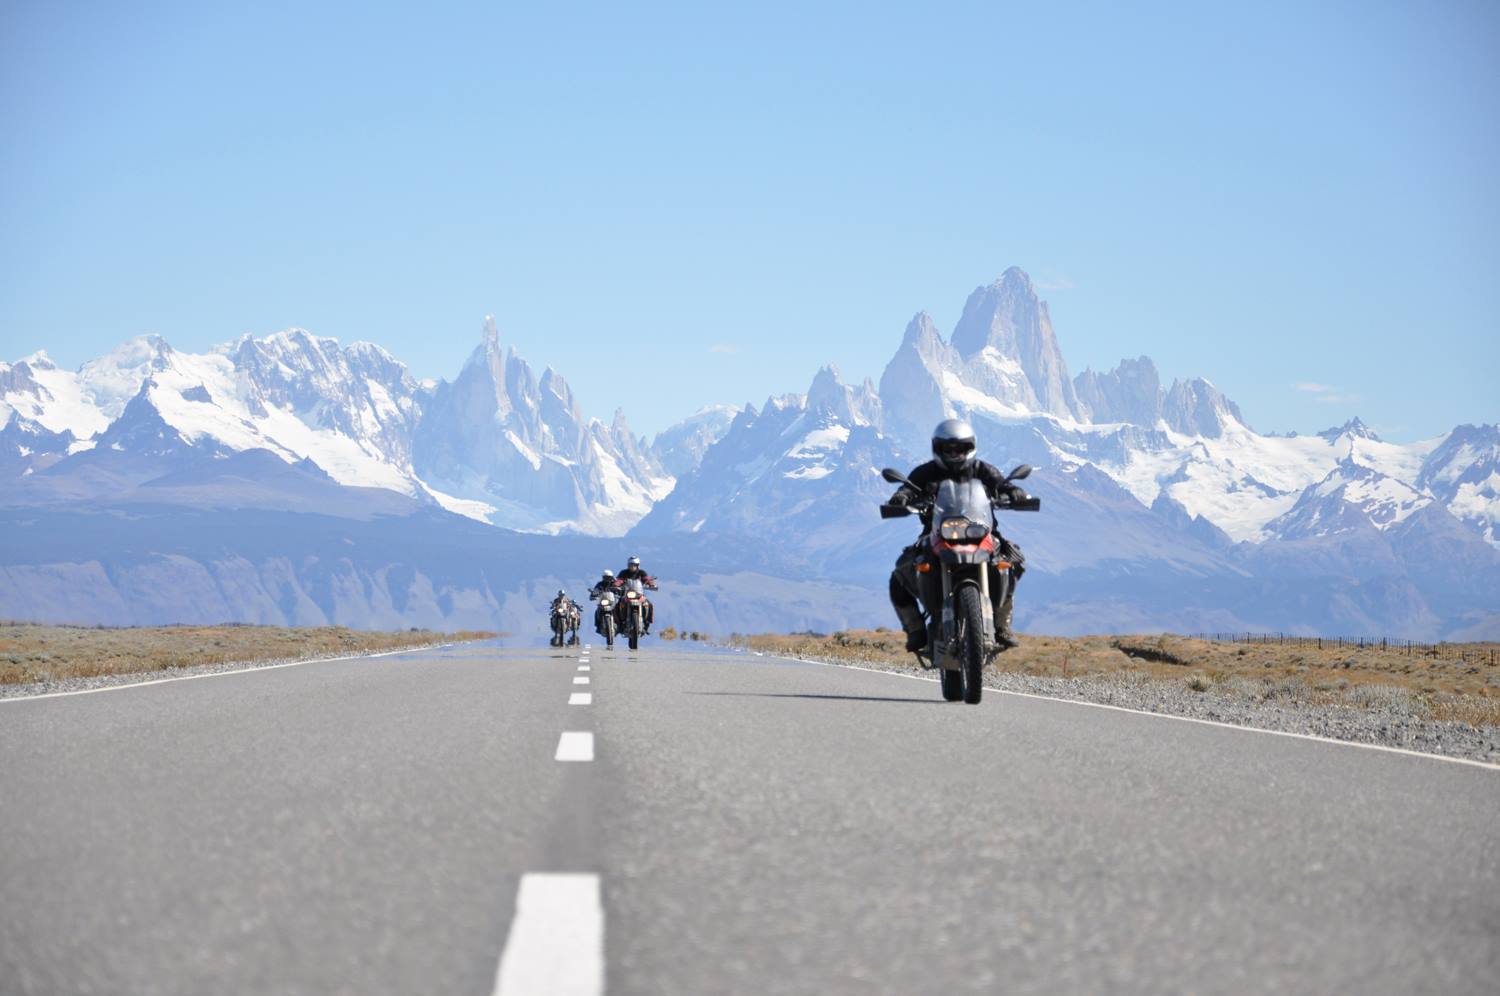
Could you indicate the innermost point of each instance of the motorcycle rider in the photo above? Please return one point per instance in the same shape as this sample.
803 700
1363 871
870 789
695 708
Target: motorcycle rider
605 583
564 606
633 572
953 449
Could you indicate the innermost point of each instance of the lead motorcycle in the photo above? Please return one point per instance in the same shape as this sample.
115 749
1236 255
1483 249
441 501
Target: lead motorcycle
960 544
632 610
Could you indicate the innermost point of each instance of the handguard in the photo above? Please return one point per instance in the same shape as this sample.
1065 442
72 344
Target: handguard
1027 504
894 511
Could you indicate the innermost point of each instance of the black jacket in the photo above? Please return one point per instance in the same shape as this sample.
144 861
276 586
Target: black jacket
929 475
635 575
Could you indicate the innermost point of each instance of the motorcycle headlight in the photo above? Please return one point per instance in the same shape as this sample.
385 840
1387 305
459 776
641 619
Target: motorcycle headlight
977 531
954 529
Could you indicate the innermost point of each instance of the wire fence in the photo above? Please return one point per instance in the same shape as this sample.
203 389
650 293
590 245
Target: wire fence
1465 652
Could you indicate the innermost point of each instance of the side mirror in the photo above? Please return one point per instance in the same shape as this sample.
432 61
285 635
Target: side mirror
896 477
1020 473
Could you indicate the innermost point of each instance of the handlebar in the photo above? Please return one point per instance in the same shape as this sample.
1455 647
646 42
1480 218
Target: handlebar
1026 504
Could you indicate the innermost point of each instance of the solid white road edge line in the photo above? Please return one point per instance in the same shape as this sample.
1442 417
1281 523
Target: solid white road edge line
575 745
1181 719
556 941
581 698
222 674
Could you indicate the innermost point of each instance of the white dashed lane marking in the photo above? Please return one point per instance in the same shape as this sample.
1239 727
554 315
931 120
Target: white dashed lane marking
580 680
556 942
581 698
575 745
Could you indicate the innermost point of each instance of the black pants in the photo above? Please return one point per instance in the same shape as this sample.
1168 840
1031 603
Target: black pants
907 585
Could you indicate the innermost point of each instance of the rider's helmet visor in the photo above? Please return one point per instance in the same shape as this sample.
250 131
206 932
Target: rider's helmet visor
955 448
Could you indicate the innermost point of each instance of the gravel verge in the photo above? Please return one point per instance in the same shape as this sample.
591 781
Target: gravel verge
1388 724
32 689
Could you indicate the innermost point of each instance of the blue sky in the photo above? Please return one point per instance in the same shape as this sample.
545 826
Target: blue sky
682 205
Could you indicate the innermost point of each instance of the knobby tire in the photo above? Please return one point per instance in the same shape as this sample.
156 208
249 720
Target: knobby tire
971 616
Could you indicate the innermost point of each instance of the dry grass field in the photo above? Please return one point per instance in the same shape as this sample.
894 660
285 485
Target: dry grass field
1433 687
31 653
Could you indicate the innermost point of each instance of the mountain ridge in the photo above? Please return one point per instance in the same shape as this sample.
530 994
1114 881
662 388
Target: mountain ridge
1161 501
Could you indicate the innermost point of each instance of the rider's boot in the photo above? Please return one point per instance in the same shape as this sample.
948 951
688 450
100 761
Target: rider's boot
915 627
1004 635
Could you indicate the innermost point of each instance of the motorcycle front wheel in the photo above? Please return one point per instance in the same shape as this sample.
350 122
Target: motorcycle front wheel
953 684
609 632
971 613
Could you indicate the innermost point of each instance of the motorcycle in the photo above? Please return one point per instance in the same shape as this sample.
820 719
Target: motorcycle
633 610
608 601
961 544
565 622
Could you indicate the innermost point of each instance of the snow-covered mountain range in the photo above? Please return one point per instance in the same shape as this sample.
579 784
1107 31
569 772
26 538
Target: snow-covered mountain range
1163 508
495 444
1002 369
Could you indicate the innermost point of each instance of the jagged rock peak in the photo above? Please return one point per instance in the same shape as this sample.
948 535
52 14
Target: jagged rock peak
149 350
850 405
1354 427
826 382
552 382
920 331
1006 316
993 313
1131 392
1197 408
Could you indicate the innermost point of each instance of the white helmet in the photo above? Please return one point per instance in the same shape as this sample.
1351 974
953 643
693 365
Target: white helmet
608 573
953 444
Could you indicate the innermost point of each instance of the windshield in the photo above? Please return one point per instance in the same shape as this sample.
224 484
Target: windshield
962 499
634 584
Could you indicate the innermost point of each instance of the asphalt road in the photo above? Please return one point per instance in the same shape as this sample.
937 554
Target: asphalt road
749 825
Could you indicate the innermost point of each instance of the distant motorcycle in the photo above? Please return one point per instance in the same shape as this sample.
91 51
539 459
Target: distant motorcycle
962 542
632 610
566 619
608 601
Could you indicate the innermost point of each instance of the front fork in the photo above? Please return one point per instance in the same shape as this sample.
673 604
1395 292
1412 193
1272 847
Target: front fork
947 652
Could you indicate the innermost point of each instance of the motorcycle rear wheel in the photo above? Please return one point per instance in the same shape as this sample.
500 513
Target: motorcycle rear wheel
971 612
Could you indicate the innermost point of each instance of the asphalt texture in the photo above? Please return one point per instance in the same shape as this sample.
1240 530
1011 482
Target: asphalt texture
758 826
